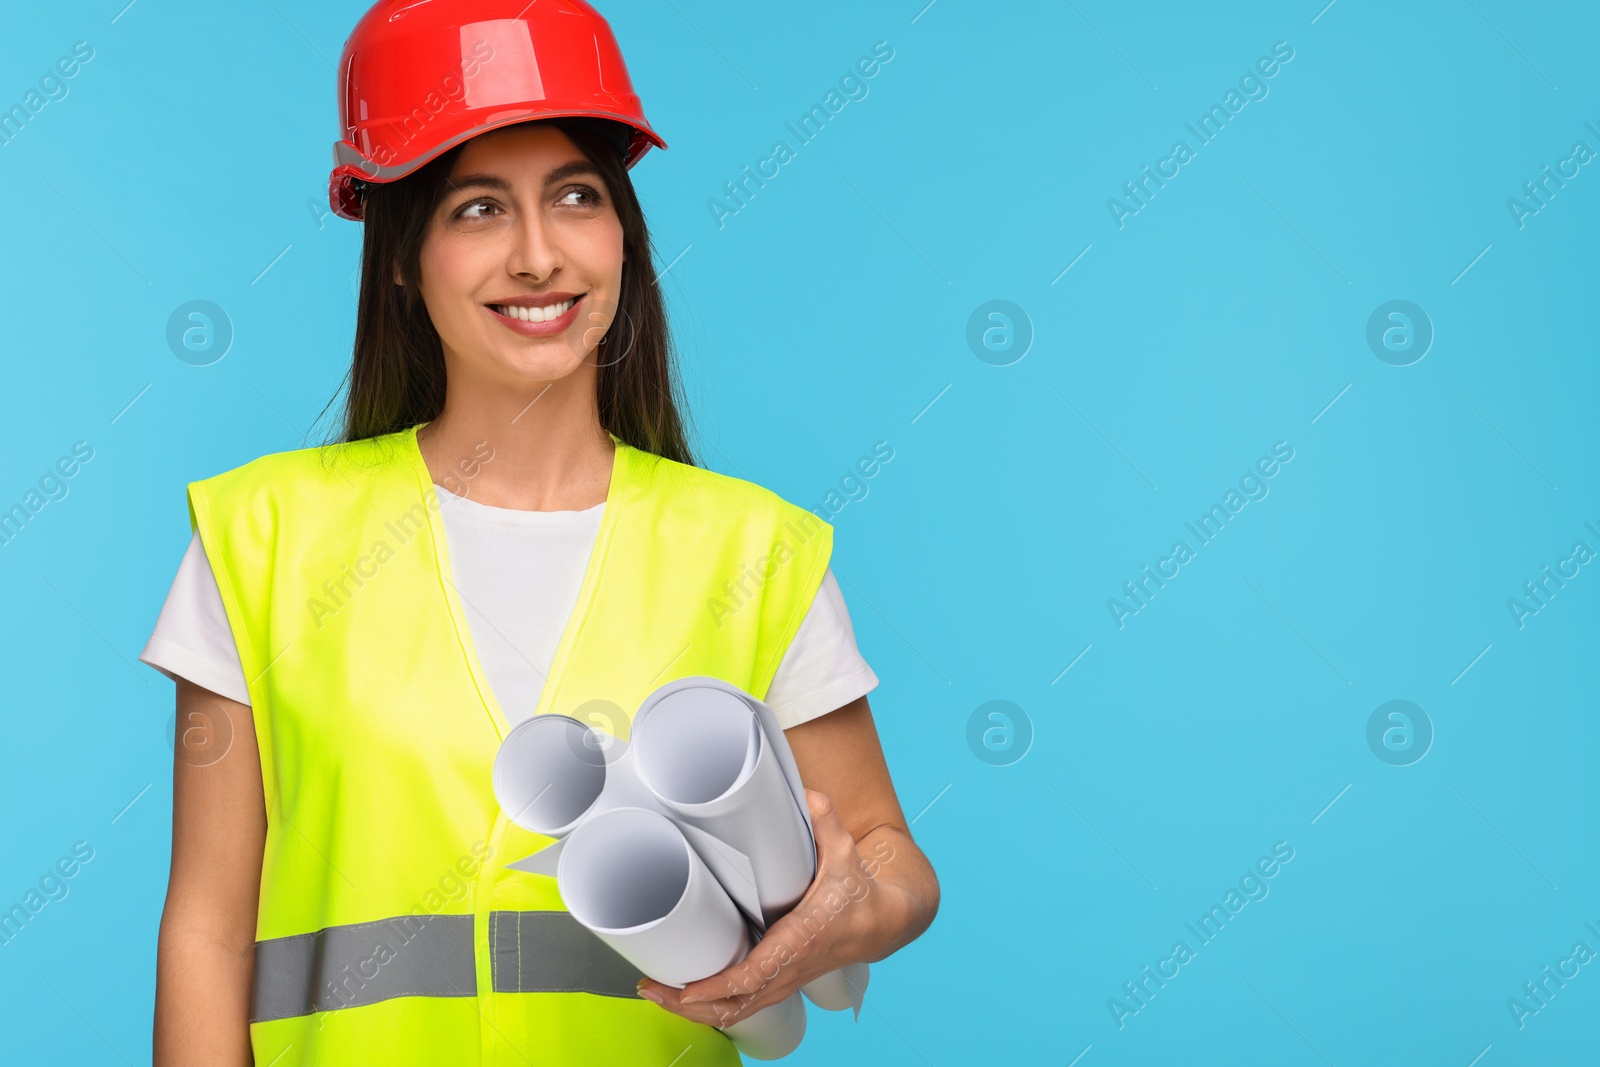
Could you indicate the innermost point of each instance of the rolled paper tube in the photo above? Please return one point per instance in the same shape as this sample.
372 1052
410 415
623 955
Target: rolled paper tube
629 875
701 750
773 1032
548 773
728 774
552 772
704 756
838 990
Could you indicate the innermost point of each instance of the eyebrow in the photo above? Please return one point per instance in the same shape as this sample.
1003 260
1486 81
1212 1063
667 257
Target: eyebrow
499 184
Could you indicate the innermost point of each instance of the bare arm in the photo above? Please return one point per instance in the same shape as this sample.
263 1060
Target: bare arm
840 756
206 950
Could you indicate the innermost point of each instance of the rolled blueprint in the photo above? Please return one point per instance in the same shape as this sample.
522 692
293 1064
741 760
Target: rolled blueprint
712 760
703 754
716 758
629 875
550 772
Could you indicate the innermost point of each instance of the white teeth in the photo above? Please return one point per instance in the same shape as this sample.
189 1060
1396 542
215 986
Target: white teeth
544 314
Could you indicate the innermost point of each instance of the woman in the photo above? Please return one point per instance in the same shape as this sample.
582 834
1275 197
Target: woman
511 524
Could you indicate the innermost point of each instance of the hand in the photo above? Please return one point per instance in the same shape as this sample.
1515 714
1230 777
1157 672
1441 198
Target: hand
845 916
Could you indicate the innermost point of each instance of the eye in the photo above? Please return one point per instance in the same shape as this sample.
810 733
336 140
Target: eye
463 212
594 199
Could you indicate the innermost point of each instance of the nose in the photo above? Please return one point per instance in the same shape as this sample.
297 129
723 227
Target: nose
533 251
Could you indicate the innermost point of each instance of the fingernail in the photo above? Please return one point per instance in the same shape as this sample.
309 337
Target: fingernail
654 998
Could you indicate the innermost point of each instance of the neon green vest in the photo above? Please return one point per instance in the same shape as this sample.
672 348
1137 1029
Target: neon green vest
388 929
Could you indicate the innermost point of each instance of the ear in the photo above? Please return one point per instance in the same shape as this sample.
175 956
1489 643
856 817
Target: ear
397 279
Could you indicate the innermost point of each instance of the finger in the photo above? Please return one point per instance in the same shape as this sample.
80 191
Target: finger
724 1011
728 1010
660 992
835 843
782 950
822 808
669 998
741 979
785 952
697 1013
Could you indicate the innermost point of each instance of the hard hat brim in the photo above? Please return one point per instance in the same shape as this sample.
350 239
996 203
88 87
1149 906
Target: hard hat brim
350 165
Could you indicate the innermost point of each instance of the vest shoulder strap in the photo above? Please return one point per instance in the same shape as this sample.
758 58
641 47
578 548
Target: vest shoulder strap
751 560
240 514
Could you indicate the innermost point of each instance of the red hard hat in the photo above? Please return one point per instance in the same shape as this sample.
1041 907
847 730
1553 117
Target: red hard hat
420 76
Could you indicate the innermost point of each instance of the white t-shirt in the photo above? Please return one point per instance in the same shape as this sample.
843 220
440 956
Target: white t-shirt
517 574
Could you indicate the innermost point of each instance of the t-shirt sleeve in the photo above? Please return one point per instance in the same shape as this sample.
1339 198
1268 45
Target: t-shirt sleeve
192 638
822 670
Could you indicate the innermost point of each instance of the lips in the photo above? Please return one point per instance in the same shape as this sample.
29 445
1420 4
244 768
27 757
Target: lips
531 313
544 320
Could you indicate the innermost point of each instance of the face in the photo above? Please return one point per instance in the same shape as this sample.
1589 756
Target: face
521 263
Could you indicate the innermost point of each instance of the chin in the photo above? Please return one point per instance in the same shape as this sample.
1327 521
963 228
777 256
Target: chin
549 359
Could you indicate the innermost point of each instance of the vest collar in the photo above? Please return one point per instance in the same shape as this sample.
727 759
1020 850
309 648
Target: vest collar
624 468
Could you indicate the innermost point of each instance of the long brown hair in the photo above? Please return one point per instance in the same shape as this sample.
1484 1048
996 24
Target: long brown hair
397 372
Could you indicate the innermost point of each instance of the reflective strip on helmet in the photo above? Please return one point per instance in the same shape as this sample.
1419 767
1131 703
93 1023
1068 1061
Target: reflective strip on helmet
346 154
550 952
432 956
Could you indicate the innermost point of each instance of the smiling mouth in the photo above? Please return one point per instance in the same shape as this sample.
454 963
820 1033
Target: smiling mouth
535 314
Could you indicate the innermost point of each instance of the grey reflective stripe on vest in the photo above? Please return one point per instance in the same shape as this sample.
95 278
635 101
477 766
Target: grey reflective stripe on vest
363 963
550 952
431 956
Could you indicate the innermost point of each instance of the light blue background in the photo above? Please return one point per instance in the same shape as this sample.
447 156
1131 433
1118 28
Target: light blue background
830 313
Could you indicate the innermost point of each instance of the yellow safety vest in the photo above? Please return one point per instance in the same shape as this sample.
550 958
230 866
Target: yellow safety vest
389 930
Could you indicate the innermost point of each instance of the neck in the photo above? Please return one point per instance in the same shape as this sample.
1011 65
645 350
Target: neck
540 452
